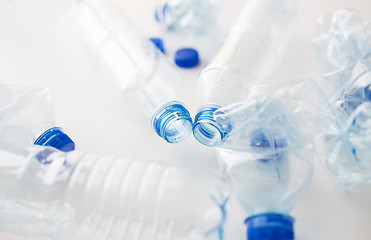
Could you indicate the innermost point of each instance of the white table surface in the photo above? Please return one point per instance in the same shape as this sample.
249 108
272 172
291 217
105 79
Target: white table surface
38 46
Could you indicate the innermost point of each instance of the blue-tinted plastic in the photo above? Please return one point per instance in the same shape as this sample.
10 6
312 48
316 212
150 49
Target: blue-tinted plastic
343 39
206 130
172 122
159 43
54 137
186 58
270 226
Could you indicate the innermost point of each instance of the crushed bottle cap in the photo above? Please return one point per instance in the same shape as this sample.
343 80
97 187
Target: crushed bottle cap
159 43
186 58
54 137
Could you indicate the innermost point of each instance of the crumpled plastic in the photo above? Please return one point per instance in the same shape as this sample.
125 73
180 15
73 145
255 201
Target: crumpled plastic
344 39
345 146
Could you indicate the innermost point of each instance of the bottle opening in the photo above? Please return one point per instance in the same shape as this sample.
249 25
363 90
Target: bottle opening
270 226
172 122
206 130
55 137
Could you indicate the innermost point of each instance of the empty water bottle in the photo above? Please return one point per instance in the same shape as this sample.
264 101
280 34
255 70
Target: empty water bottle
250 53
27 117
269 155
344 39
147 87
192 19
344 146
47 193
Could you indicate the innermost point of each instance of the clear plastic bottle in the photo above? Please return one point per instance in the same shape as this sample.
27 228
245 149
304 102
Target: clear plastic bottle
147 87
269 156
344 48
191 19
27 117
250 53
48 193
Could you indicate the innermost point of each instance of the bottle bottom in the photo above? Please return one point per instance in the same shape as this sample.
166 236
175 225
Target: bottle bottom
172 122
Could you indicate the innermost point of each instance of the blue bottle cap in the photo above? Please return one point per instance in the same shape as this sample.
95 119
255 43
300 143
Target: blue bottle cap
54 137
186 58
270 226
159 43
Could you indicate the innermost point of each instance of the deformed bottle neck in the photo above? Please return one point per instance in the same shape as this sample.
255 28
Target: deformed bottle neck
270 226
172 122
206 130
55 137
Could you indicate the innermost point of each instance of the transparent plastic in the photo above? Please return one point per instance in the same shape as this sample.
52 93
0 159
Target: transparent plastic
344 147
47 193
344 39
250 54
191 19
140 77
27 117
268 154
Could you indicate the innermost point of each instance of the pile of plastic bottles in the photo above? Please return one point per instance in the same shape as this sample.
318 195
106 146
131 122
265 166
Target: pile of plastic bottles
265 131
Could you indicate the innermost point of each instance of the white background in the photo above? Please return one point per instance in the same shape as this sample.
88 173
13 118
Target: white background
39 46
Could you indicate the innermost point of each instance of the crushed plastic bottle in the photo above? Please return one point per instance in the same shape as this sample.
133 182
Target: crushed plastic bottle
47 193
192 19
269 153
344 39
147 87
250 54
27 117
344 146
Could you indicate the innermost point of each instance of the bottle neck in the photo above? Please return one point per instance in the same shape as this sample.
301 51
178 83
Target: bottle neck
270 226
55 137
172 122
206 130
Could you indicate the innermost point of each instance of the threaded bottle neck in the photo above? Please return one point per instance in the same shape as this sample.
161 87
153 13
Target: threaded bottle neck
55 137
172 122
206 130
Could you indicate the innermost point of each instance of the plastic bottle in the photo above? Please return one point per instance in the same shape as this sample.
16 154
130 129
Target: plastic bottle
269 156
27 117
344 49
47 193
250 53
147 87
191 19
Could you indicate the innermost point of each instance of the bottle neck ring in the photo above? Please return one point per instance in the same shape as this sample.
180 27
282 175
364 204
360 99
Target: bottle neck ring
55 137
206 130
172 122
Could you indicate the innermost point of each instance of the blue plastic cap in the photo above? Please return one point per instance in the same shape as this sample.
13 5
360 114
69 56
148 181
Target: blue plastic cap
159 43
270 226
54 137
186 58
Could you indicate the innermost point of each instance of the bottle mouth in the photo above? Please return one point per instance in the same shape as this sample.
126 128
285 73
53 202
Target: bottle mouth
172 122
55 137
206 130
270 226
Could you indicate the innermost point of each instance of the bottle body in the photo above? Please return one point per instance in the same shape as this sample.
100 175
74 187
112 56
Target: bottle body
190 19
250 54
141 79
344 49
80 196
27 117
